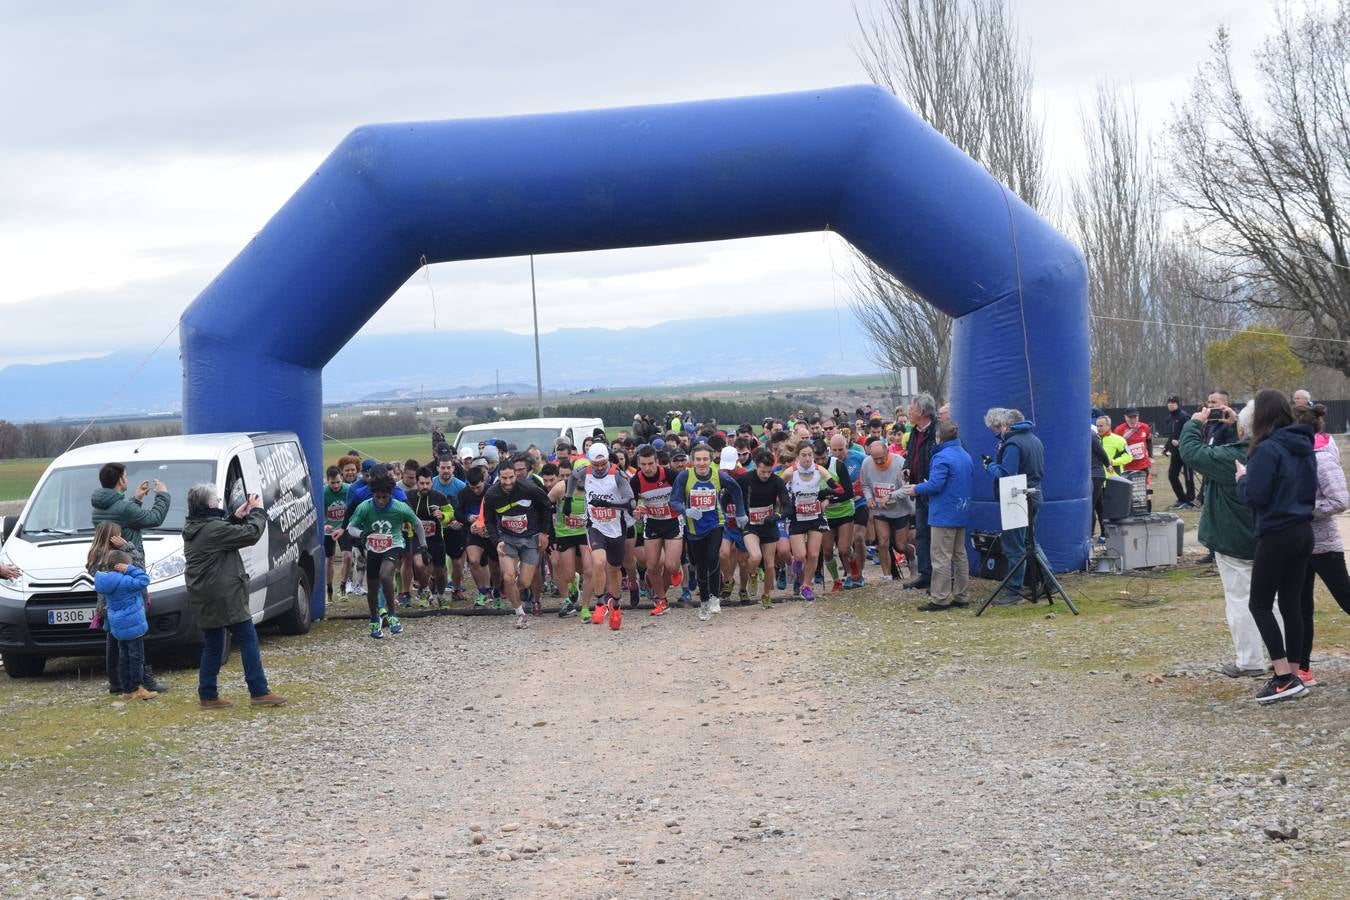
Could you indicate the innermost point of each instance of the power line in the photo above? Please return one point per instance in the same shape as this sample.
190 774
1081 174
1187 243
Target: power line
113 399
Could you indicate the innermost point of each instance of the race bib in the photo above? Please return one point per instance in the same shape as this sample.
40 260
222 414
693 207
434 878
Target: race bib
574 521
603 513
1137 451
379 543
429 528
703 499
515 524
882 493
659 510
808 509
336 512
760 514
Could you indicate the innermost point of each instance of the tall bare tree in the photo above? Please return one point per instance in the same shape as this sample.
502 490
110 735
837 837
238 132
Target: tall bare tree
962 66
1266 181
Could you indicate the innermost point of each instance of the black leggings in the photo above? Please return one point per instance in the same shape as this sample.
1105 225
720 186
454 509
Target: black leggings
380 570
1175 470
1280 570
1330 567
704 553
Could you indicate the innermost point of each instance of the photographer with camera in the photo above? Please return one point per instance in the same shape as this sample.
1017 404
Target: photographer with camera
1019 452
1226 528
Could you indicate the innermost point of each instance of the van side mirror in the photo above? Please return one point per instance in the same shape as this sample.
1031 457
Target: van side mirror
10 522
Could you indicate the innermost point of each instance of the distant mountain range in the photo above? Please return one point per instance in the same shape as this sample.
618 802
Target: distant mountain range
441 364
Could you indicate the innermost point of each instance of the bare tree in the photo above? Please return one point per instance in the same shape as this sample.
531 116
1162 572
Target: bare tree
1266 185
961 65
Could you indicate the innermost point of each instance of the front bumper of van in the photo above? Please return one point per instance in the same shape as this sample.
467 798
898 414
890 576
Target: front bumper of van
27 629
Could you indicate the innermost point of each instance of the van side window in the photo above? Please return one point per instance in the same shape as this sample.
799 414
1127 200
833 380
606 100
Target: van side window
236 492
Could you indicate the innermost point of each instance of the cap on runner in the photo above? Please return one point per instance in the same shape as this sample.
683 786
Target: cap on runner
597 453
466 452
729 458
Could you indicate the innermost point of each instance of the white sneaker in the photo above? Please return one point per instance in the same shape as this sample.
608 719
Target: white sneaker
521 621
703 611
349 588
715 605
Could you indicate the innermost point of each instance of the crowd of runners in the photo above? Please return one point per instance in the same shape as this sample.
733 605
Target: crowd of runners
792 508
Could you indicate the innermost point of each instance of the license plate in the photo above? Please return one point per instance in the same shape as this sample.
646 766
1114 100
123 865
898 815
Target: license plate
80 615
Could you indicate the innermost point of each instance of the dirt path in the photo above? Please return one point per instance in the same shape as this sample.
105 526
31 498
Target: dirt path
850 748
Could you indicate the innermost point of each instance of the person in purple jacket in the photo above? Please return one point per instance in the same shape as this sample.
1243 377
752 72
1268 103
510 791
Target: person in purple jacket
1328 554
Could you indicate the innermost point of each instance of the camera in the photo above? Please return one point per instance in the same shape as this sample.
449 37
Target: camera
986 458
1216 415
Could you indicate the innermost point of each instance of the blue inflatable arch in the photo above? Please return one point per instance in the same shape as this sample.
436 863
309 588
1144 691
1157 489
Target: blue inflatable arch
853 160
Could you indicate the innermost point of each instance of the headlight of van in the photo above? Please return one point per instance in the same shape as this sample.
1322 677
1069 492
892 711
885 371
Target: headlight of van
168 567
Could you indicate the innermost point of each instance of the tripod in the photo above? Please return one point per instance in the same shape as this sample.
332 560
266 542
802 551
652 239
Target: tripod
1037 572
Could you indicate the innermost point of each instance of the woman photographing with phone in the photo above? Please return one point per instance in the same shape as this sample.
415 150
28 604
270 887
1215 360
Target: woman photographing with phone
1279 485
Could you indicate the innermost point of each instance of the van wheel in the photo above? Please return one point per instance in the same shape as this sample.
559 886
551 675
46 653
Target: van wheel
297 619
17 666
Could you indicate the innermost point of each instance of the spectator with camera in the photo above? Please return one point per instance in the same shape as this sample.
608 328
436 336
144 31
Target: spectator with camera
1226 529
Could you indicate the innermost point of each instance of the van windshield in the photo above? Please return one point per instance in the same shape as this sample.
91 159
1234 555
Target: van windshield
61 505
515 436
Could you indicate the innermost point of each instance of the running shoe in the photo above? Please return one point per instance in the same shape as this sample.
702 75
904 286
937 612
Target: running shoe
584 614
743 596
422 602
838 587
703 611
521 621
497 603
781 581
551 589
349 588
405 600
458 594
375 630
807 593
440 601
531 602
1281 687
766 601
676 577
754 582
601 613
615 618
1306 676
481 601
395 626
685 598
660 608
872 553
798 567
384 616
714 604
819 579
568 608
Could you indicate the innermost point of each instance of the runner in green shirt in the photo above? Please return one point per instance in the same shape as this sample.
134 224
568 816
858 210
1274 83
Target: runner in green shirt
380 522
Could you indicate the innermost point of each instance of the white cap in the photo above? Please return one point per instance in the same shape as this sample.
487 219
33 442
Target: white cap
729 458
467 452
597 453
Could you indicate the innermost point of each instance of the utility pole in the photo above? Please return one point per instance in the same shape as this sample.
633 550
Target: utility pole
538 366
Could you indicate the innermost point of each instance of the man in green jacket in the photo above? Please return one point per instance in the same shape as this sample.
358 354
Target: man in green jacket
217 586
1226 528
110 504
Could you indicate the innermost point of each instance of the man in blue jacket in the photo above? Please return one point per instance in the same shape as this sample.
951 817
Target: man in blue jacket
948 493
1020 452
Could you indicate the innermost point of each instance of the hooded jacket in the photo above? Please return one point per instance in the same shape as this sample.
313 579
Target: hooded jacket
1020 452
1332 496
112 505
217 583
125 596
1281 481
948 486
1225 521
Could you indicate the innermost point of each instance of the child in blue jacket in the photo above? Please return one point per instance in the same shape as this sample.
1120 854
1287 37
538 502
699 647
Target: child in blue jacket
123 586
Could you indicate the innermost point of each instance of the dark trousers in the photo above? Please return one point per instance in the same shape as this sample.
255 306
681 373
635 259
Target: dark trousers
1330 567
1278 575
704 553
111 661
923 539
131 664
1177 472
213 654
1097 485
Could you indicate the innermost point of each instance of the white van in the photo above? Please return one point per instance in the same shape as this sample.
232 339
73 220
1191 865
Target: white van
521 433
47 610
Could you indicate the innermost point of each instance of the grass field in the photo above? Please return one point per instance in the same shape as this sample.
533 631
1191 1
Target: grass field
18 476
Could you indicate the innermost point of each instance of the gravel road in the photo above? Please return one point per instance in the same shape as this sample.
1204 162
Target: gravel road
849 748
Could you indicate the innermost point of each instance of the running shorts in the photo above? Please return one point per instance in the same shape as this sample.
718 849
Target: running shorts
436 550
455 541
736 538
615 548
570 542
766 532
524 549
860 515
489 548
808 526
375 560
662 529
897 521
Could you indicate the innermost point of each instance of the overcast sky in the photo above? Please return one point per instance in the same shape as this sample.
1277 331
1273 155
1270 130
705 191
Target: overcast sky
144 143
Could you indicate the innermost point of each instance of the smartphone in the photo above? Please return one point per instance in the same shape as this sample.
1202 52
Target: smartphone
1216 415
